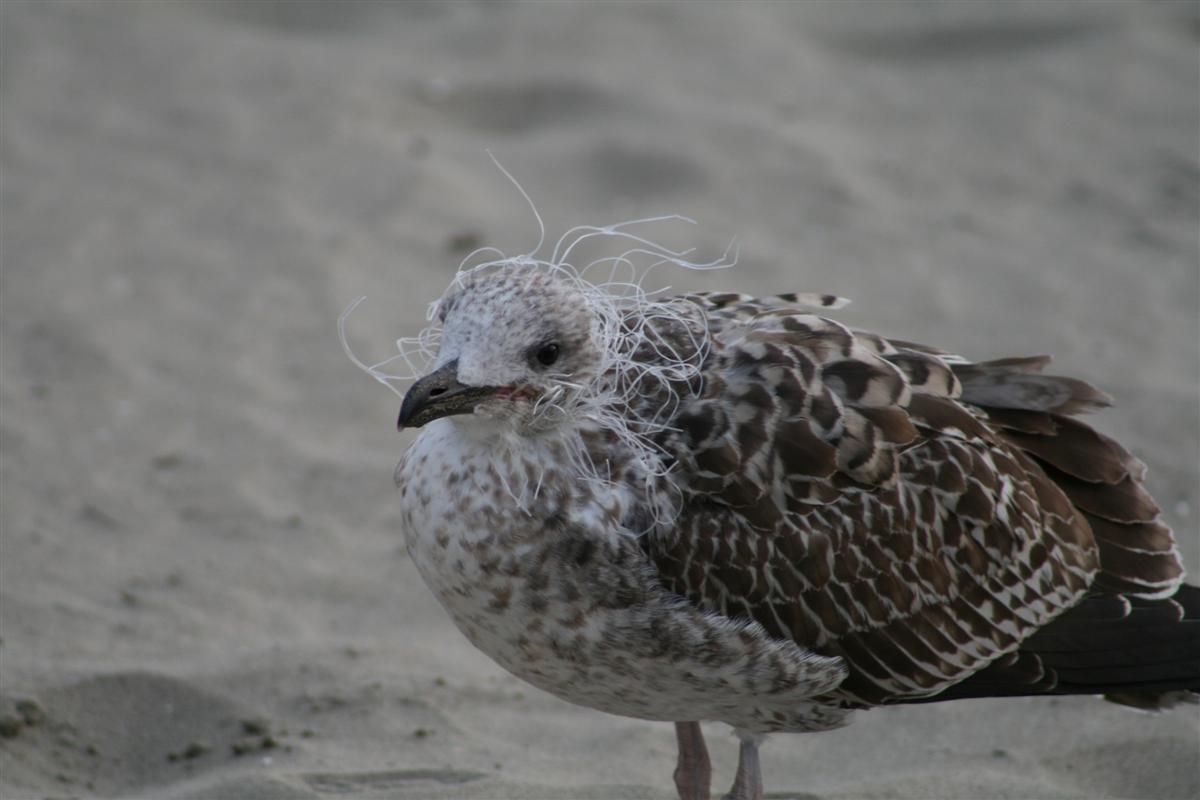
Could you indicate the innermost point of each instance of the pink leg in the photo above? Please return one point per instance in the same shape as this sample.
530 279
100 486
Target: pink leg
747 784
693 772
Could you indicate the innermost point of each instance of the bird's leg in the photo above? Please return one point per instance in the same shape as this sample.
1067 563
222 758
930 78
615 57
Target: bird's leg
693 772
747 784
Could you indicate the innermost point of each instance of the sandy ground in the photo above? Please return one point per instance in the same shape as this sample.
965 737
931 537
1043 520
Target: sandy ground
203 592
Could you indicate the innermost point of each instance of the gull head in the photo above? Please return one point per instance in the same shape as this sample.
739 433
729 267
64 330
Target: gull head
516 344
532 346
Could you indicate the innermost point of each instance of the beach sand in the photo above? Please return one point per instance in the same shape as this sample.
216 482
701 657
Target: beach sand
203 588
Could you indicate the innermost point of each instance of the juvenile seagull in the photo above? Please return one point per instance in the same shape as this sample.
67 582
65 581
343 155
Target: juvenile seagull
721 507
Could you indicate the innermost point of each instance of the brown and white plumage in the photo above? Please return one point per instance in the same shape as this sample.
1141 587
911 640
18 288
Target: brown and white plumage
722 507
917 515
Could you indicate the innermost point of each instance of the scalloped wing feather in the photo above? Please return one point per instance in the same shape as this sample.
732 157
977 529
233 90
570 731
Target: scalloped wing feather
883 501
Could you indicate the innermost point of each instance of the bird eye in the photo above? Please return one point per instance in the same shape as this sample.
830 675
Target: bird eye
547 354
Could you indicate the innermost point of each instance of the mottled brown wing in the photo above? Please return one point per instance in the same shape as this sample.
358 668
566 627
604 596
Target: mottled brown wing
916 514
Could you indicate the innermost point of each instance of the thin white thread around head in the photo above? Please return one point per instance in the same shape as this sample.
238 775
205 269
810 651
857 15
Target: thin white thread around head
631 398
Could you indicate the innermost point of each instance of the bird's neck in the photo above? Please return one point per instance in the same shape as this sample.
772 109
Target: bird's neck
481 483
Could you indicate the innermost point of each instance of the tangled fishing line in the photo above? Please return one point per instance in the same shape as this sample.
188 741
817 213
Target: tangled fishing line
636 388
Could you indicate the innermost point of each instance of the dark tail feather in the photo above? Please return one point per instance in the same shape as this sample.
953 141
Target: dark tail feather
1141 653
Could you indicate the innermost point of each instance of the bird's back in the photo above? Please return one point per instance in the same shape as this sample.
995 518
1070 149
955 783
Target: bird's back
948 528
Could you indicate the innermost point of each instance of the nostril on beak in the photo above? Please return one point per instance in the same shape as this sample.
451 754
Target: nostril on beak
435 392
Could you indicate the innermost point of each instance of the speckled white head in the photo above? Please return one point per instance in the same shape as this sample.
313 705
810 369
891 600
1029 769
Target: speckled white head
524 346
519 329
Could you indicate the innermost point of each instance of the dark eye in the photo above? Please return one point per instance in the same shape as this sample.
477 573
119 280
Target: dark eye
547 354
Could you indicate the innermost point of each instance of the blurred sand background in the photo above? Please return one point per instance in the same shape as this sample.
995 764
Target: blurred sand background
203 590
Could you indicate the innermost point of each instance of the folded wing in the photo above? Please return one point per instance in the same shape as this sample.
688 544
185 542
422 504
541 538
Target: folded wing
916 514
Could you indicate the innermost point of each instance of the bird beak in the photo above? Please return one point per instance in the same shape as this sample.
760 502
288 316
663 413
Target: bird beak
439 394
